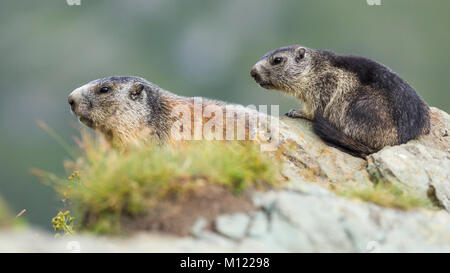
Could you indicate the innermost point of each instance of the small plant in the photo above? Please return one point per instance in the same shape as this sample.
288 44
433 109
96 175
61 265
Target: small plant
63 224
75 176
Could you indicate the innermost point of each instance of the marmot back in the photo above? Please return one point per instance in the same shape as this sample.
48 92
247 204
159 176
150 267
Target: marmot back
356 104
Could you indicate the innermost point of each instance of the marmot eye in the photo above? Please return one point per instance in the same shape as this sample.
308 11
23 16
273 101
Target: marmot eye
277 60
105 89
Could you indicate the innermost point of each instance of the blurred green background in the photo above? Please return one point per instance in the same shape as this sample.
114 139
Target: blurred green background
193 48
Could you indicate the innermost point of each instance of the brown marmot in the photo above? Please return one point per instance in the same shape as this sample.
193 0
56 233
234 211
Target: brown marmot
125 108
356 104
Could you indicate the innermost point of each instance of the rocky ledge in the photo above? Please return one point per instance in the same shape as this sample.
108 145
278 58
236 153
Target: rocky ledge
306 214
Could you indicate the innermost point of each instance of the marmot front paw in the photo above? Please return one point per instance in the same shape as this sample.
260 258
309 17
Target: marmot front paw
293 113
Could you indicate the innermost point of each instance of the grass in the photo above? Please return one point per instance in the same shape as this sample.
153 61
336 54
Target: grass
108 185
5 216
384 194
107 188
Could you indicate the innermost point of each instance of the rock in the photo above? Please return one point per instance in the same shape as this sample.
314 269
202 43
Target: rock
334 224
265 200
314 160
421 166
199 226
287 236
415 168
233 226
439 136
259 225
304 215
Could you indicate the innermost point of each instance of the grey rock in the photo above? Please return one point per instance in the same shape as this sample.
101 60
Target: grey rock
421 166
314 160
199 226
233 226
288 236
415 168
333 224
265 200
316 223
259 225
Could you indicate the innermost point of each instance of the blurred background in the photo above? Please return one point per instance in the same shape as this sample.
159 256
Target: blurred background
192 48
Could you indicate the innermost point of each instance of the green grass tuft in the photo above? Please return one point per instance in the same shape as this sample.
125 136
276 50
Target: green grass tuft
108 185
384 194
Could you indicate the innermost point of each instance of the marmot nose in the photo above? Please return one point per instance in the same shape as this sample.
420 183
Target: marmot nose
71 101
254 73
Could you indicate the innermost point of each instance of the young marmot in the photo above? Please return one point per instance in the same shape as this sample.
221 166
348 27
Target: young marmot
124 109
356 104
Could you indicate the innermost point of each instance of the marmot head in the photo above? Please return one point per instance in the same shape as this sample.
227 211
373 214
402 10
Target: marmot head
283 68
116 106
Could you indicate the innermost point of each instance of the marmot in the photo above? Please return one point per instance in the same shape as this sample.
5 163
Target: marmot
355 104
125 108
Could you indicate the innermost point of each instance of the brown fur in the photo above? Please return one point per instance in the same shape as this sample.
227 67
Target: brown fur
137 109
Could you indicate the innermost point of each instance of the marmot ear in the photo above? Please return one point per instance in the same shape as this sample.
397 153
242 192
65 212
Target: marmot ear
300 53
136 90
